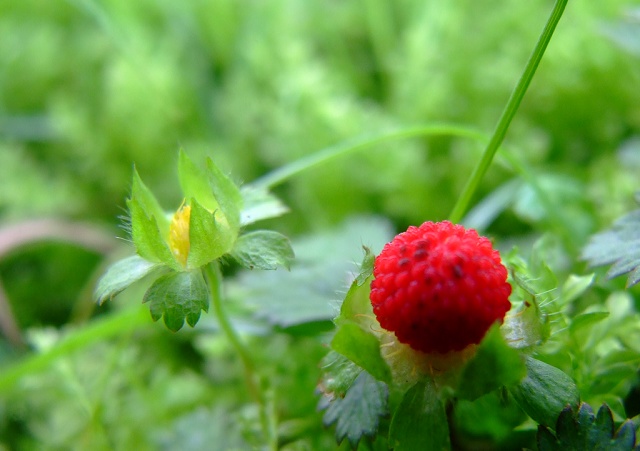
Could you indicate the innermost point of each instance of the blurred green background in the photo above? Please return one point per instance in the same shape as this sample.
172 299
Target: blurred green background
89 88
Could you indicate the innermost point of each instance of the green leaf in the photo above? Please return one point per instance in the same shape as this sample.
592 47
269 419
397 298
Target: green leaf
149 204
226 194
338 374
147 238
544 392
619 246
176 296
195 183
259 204
495 364
420 422
358 413
363 348
263 249
208 239
583 430
122 274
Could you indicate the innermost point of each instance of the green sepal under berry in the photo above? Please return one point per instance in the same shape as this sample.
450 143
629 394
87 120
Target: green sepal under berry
494 365
420 421
544 392
582 430
263 249
121 275
362 348
366 268
178 296
354 337
358 413
356 307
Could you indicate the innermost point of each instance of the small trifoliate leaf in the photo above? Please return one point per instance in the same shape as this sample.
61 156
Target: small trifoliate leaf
420 422
494 365
584 430
544 392
358 413
147 238
149 204
363 348
195 183
259 204
122 274
619 246
263 249
209 239
226 194
178 296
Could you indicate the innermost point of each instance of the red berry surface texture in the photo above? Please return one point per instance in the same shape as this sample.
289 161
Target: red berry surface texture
439 287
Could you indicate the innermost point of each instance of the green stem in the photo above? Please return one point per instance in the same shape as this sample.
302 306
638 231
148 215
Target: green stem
509 112
214 279
344 148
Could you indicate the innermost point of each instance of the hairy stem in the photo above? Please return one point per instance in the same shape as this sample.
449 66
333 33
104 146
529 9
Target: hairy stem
214 279
508 113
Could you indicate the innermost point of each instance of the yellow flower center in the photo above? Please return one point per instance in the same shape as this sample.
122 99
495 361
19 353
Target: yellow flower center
179 234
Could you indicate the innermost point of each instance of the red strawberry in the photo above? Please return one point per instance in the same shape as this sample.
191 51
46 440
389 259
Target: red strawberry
439 287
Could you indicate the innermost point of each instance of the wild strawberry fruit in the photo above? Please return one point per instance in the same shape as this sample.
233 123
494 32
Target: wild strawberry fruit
439 287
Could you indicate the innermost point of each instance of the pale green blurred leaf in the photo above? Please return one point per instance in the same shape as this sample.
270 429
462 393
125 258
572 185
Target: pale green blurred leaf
122 274
619 246
259 204
263 249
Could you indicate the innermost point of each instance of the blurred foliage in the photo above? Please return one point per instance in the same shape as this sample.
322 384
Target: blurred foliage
88 88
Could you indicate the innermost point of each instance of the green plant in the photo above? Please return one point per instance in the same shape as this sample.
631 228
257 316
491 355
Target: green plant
260 85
